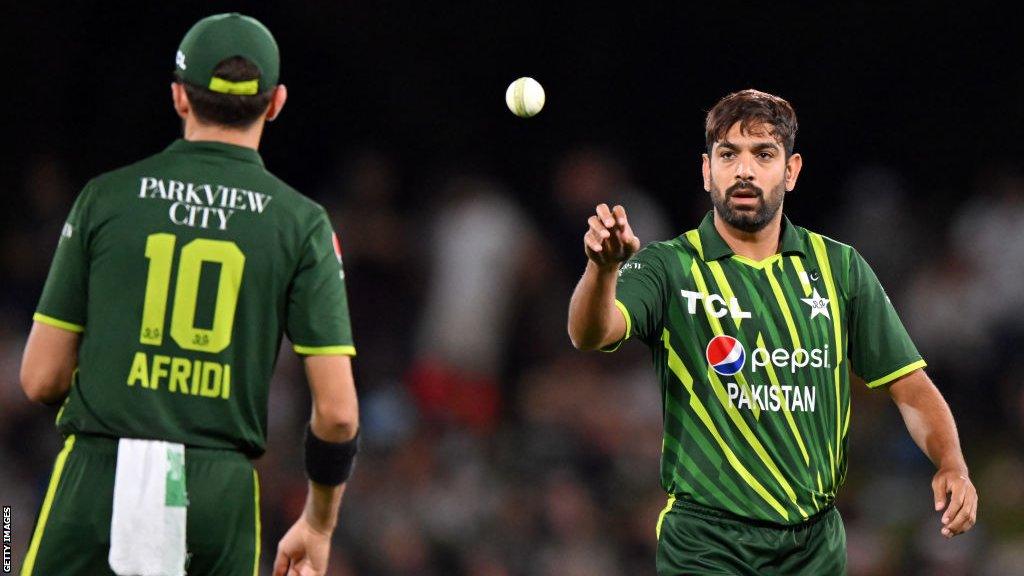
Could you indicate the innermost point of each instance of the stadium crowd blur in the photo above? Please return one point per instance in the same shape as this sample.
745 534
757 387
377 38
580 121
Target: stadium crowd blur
493 448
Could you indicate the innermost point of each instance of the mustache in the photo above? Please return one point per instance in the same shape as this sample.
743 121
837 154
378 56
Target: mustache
743 187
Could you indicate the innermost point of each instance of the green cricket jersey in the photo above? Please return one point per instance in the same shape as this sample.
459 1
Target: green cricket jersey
182 271
754 361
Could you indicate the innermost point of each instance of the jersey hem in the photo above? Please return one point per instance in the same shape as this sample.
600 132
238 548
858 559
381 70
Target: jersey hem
629 328
51 321
324 350
897 374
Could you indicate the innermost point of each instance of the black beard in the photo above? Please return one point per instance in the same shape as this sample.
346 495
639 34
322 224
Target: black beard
746 220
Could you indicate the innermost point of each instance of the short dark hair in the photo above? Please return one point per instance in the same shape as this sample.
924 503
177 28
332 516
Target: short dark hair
752 108
231 110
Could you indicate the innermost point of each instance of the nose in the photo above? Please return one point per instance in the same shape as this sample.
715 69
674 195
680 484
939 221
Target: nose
744 170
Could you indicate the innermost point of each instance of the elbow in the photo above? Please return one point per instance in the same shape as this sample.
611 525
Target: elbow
583 342
39 386
582 345
337 423
578 342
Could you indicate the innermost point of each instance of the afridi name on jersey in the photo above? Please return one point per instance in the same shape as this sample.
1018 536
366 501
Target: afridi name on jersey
754 361
182 272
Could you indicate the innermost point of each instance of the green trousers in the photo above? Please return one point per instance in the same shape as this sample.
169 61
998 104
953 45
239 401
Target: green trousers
693 539
72 533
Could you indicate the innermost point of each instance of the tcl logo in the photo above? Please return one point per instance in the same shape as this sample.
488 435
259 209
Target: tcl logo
714 305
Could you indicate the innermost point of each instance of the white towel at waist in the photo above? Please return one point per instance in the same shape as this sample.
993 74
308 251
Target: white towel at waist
147 527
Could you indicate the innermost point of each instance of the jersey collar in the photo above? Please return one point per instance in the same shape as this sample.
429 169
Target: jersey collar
714 245
209 147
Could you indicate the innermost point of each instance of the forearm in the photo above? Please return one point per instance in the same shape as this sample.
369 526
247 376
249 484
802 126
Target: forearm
929 421
593 320
322 504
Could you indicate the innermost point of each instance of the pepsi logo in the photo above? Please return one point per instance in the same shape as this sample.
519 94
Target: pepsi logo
726 355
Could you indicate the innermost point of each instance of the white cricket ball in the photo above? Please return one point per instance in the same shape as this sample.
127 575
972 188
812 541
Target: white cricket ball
525 97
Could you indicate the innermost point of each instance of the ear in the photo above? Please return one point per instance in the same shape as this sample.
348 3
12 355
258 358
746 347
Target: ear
705 168
793 165
277 102
180 99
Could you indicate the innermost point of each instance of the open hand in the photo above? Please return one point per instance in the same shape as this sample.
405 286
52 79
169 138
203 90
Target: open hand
609 240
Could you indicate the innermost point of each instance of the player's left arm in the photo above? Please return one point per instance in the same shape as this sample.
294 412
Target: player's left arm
49 361
930 423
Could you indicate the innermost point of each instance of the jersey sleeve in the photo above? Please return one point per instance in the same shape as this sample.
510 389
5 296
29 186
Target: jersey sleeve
318 320
880 347
65 296
640 296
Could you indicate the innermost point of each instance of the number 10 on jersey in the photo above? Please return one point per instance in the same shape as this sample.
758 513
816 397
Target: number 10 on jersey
160 253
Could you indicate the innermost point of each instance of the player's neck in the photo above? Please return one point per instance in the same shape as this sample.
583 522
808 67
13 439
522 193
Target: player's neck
754 245
248 137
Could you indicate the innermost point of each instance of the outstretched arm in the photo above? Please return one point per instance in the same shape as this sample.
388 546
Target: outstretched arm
304 549
594 322
931 425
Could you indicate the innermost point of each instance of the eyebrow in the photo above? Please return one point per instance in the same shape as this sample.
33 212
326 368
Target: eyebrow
757 146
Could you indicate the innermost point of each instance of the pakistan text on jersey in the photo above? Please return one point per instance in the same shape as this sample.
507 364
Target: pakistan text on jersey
181 375
772 398
202 205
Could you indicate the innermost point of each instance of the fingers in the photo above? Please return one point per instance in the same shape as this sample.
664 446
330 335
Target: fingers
939 490
281 564
620 216
596 235
956 501
967 515
605 215
609 235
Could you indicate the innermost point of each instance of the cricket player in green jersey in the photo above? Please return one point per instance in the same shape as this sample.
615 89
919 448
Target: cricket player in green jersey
755 326
161 319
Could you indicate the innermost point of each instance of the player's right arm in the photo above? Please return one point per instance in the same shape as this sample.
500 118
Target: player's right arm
305 548
594 320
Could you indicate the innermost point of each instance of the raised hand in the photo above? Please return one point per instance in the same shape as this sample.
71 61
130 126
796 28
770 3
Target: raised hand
609 240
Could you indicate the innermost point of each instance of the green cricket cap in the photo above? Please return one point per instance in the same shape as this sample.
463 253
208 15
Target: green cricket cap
216 38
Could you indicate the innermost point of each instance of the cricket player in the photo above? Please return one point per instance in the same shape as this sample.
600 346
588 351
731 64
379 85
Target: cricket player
755 326
158 330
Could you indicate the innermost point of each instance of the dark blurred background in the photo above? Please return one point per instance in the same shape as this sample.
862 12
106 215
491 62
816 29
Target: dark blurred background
492 448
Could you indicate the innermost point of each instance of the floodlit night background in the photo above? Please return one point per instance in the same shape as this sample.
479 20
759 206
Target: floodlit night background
491 446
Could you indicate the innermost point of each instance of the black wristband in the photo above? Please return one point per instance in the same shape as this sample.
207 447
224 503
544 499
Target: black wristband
330 463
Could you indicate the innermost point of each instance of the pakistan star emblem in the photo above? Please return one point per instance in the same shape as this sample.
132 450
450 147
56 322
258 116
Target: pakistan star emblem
818 305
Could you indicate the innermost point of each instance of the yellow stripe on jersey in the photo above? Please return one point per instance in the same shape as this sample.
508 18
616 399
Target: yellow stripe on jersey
787 314
694 237
759 264
723 284
770 369
626 316
732 411
818 244
675 364
256 508
50 321
897 374
629 328
801 274
698 278
325 350
846 421
661 517
44 513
